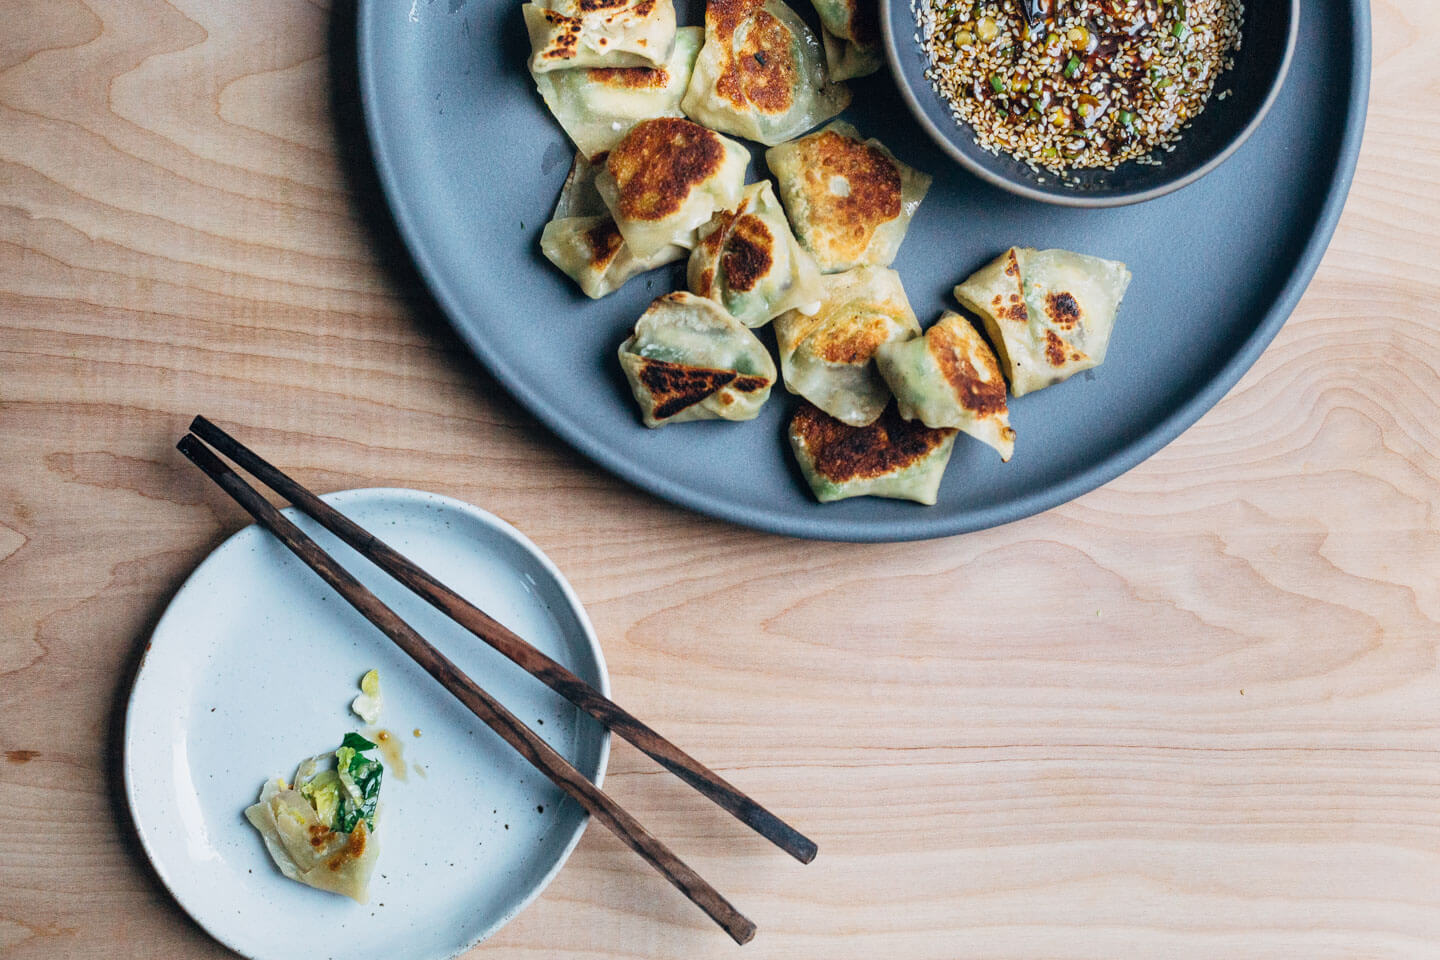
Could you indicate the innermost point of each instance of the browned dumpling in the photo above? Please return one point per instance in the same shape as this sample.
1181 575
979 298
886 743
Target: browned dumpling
828 356
690 360
582 239
666 178
565 34
949 378
597 106
761 74
749 262
1048 312
892 457
848 198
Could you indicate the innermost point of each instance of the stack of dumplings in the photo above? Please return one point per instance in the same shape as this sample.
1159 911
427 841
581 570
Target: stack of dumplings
653 110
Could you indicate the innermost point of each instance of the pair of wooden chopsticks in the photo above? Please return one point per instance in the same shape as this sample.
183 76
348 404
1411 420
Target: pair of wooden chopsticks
467 691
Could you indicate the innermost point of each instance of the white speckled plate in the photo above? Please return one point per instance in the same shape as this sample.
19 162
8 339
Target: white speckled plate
253 667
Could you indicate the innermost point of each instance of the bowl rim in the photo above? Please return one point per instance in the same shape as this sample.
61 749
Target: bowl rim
1092 201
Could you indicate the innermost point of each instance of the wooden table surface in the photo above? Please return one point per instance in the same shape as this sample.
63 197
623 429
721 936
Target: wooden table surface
1195 713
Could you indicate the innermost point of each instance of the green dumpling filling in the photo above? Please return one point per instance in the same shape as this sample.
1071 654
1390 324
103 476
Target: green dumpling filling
318 830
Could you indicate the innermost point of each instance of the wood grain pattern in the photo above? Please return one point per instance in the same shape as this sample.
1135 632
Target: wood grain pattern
1194 714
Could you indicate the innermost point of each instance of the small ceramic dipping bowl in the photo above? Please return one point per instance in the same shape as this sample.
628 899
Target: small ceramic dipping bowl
1268 34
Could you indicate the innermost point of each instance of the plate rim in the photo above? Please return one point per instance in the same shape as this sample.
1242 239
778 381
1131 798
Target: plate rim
1136 451
338 499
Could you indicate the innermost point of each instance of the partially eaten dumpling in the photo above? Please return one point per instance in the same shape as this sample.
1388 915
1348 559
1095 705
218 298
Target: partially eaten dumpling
849 199
598 105
1048 312
748 261
828 357
851 35
761 74
892 457
690 360
320 829
583 240
565 34
949 378
665 178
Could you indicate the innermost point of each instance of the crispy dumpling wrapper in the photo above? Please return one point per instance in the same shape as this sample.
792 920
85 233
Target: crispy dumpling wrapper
828 357
688 359
851 36
761 74
950 378
665 178
849 199
749 262
566 34
583 241
598 105
307 850
1049 313
892 457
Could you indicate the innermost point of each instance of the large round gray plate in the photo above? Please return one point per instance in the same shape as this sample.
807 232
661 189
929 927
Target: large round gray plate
472 163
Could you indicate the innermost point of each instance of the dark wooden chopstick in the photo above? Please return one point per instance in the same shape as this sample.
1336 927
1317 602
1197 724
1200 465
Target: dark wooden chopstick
548 671
540 754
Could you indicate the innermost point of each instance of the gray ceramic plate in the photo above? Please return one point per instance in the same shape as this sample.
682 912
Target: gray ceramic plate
472 163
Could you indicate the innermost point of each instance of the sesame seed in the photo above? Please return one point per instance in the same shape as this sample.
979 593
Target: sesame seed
1090 88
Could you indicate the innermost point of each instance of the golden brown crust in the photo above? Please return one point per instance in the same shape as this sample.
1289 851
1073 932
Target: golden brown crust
762 74
1011 308
675 387
354 848
984 398
1054 349
749 252
842 453
565 43
872 196
854 342
659 162
631 78
604 241
1062 310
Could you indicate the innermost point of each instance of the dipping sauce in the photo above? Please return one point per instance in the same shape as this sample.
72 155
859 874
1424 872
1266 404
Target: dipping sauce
1089 84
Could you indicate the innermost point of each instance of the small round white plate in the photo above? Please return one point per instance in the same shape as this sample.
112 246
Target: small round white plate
253 667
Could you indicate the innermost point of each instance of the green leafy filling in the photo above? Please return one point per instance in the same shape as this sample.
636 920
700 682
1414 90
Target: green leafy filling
344 796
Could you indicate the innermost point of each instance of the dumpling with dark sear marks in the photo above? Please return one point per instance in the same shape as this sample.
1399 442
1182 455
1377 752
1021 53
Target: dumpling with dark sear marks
598 105
892 457
320 829
565 34
690 360
749 262
849 199
851 36
761 74
1048 312
583 241
949 378
828 357
665 178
